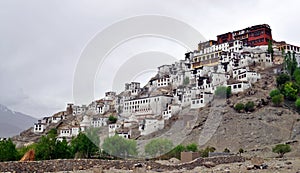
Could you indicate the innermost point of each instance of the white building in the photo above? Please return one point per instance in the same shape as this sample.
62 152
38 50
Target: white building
172 109
79 109
163 81
39 127
248 76
99 121
237 87
67 132
58 117
150 105
112 128
124 132
200 100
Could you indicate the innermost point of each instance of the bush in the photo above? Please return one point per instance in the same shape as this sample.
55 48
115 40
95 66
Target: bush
274 92
223 92
112 119
277 100
239 107
226 150
176 152
281 149
297 103
282 79
206 151
228 92
8 151
241 150
290 91
249 106
192 147
158 147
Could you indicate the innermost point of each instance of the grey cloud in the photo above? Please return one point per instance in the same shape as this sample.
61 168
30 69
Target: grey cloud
41 41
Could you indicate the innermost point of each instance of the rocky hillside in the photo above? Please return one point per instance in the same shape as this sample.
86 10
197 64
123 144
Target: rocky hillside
257 131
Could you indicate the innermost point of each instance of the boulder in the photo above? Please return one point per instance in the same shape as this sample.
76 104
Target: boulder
209 164
28 156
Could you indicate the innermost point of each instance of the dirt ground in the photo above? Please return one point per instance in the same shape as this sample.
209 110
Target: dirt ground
274 166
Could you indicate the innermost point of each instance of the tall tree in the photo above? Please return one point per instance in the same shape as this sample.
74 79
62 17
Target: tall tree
45 148
120 147
83 147
270 49
158 147
8 151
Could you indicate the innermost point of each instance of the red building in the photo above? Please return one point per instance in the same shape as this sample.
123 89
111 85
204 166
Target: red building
252 36
223 38
259 35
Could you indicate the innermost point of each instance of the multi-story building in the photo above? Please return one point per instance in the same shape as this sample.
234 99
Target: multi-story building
149 105
252 36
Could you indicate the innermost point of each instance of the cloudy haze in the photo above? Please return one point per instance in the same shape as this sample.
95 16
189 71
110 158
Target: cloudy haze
41 41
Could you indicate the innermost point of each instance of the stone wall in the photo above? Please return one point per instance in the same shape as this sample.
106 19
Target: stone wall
84 164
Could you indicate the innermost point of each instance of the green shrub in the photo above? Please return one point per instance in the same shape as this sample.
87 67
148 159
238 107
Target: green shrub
297 103
274 92
226 150
249 106
112 119
282 79
277 100
241 150
192 147
239 107
206 151
290 91
221 92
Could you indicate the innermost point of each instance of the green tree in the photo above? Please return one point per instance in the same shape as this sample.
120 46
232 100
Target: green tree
282 79
239 107
206 151
274 92
249 106
281 149
270 49
297 103
83 147
228 92
119 146
157 147
45 148
192 147
186 81
223 92
290 91
24 149
226 150
62 150
296 75
241 150
290 63
112 119
176 152
277 100
8 151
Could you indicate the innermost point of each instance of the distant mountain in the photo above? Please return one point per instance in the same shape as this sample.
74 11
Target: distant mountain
12 123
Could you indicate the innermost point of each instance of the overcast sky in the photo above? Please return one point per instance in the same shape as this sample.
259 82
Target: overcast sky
41 41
